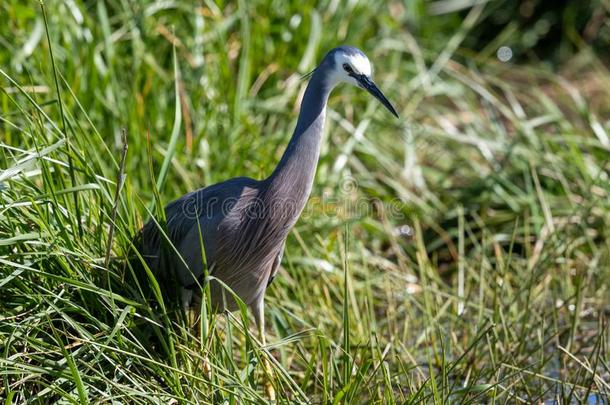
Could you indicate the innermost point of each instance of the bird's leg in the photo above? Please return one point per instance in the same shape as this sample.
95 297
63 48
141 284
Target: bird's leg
189 311
258 308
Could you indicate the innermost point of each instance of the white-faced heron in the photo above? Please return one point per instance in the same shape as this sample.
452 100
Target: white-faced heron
243 223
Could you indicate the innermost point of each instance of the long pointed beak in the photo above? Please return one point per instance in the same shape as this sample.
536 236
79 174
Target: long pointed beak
372 88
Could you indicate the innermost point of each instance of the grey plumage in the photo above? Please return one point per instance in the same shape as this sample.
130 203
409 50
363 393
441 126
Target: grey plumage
244 222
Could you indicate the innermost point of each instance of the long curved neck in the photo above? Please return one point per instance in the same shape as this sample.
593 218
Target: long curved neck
292 179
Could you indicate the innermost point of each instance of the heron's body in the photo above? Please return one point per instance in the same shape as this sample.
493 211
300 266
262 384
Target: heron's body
243 223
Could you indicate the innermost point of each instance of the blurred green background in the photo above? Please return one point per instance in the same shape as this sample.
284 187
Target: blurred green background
473 270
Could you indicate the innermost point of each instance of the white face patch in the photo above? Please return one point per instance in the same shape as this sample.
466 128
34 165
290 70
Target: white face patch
358 62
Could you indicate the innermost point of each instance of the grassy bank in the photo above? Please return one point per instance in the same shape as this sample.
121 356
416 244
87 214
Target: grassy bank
460 254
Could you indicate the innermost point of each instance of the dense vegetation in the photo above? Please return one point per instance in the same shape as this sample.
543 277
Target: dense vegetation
461 254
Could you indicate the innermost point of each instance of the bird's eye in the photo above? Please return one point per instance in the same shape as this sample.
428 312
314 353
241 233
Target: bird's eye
348 68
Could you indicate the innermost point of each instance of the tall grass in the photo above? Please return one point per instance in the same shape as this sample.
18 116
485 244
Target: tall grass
460 255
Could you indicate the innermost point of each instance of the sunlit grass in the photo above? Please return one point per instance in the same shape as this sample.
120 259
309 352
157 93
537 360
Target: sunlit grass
459 255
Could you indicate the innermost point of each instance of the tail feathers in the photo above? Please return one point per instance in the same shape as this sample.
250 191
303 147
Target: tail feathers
151 258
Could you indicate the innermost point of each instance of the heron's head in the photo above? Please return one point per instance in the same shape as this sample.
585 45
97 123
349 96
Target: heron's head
350 65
